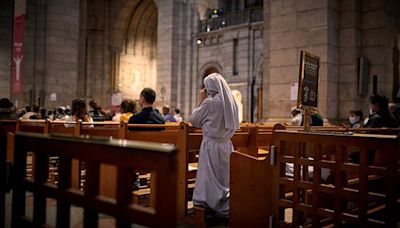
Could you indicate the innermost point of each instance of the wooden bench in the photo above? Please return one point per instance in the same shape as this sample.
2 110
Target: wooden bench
5 127
188 141
262 194
126 156
104 129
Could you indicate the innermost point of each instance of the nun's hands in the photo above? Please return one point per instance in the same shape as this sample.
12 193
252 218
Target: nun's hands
202 95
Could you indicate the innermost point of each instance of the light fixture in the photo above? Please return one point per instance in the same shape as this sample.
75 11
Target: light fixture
199 41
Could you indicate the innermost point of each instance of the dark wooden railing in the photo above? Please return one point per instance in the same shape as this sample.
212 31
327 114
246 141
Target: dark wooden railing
126 155
361 194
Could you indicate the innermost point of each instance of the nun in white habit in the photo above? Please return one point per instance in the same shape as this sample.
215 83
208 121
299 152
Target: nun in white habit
217 115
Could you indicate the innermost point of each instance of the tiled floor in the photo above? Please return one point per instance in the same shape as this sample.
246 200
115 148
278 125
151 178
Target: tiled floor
105 221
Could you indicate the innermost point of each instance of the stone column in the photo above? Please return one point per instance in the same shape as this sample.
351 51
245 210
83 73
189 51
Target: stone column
169 51
62 47
5 46
296 25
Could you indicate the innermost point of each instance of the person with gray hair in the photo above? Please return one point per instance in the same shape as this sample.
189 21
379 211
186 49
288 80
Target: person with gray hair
297 116
218 116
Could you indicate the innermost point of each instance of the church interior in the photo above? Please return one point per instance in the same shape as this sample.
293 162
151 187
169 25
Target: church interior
199 113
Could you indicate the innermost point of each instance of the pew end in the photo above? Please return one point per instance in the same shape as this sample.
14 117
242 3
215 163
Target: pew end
251 178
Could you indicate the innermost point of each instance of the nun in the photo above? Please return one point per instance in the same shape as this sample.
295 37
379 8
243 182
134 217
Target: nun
217 115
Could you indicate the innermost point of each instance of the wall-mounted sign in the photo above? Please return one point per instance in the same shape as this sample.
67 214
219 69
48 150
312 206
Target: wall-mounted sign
308 80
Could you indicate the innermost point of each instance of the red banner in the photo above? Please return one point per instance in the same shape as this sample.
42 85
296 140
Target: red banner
18 54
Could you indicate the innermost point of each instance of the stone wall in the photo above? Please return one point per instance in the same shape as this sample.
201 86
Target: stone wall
294 26
366 29
216 51
70 47
5 46
51 53
339 32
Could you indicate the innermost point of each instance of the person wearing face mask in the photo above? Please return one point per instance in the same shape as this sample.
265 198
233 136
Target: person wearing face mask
379 113
148 115
355 118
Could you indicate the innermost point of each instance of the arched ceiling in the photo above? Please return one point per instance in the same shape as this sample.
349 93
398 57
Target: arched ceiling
135 23
203 5
141 32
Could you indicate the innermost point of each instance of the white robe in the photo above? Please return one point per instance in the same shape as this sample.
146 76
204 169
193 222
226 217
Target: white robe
212 180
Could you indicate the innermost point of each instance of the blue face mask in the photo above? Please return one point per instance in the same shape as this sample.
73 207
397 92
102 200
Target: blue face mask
354 119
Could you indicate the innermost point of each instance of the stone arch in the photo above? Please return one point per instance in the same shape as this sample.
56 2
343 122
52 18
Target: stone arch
209 68
121 24
134 46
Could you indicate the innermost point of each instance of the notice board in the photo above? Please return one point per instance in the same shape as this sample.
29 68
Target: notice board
308 80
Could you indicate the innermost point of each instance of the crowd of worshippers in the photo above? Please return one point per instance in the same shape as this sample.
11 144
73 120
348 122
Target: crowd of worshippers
93 111
216 113
382 113
218 116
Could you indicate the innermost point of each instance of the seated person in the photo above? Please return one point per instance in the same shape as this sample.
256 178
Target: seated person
61 115
379 113
78 113
97 112
128 108
37 115
356 118
148 115
168 117
316 118
379 117
7 110
297 117
177 115
28 113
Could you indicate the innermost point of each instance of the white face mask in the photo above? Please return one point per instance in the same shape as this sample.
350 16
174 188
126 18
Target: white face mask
371 112
353 119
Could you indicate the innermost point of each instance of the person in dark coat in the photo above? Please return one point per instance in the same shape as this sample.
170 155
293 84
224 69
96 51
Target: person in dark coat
379 113
148 115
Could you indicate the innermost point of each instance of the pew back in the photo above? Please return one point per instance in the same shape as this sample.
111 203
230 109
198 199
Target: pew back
36 126
335 200
127 156
105 129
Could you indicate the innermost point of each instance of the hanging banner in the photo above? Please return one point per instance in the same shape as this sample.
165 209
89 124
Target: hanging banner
18 46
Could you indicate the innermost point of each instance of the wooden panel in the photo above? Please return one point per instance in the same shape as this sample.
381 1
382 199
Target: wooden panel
121 154
308 199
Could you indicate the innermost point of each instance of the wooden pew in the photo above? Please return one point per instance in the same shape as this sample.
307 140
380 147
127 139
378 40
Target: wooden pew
5 127
36 126
299 200
188 140
63 127
127 156
105 129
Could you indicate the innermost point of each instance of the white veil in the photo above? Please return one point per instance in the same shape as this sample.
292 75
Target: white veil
216 84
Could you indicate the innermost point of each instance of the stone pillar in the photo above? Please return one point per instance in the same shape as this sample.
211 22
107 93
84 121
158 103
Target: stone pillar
51 63
98 60
296 25
168 51
5 46
350 46
62 47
